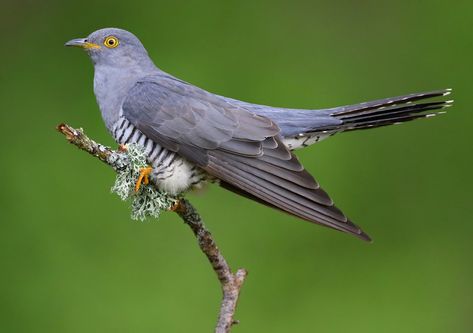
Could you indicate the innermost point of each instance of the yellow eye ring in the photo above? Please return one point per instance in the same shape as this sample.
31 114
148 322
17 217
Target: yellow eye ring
111 42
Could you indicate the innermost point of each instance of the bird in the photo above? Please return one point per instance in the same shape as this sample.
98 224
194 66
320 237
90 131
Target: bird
192 136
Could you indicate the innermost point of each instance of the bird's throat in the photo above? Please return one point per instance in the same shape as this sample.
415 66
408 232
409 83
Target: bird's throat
111 84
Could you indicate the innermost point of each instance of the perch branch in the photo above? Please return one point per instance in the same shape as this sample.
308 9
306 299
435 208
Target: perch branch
231 283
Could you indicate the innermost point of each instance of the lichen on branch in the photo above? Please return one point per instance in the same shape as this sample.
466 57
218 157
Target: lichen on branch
148 201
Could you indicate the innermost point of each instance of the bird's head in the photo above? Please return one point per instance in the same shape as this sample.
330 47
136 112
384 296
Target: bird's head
113 47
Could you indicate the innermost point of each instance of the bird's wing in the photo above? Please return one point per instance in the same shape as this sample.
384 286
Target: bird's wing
232 144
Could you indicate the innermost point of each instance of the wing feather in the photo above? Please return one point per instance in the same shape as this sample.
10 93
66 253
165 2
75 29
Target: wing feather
242 149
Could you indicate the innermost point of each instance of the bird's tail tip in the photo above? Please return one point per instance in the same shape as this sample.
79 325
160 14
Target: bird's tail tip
364 236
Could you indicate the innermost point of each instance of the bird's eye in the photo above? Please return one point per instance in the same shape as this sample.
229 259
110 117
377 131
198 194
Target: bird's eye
111 42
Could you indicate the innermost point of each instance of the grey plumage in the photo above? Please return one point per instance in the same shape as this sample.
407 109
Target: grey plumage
192 135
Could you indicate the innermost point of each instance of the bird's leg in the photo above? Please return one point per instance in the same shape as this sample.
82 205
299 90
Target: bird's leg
143 178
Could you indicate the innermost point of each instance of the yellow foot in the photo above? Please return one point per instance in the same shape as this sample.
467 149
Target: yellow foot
143 178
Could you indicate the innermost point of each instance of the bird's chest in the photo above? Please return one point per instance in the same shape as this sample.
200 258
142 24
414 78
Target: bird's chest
110 87
171 173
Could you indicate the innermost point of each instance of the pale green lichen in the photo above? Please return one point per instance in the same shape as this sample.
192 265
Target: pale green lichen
148 201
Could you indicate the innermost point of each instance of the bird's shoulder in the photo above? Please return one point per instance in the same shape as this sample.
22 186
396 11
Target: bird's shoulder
169 86
161 99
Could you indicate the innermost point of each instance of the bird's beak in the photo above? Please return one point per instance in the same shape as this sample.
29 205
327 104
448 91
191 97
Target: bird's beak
82 42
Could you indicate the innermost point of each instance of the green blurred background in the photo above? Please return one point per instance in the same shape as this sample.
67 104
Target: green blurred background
73 261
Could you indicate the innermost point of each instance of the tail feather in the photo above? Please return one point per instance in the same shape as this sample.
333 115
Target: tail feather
394 116
382 112
389 111
376 104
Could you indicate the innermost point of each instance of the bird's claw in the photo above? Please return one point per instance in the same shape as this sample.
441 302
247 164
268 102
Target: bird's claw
122 148
143 178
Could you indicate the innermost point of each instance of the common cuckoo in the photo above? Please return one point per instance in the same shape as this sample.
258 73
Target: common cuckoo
192 136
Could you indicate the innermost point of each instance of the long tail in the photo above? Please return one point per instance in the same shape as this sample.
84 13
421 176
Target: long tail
382 112
390 111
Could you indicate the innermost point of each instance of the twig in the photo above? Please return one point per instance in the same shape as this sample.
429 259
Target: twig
230 283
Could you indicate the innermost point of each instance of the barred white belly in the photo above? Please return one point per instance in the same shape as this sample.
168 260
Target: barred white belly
171 173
